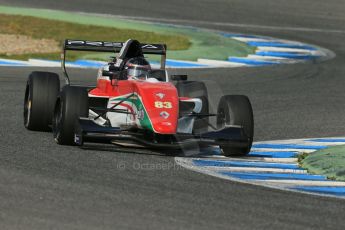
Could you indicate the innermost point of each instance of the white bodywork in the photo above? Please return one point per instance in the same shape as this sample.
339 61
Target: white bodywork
186 124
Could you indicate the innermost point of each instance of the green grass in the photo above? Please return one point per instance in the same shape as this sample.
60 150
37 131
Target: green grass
301 157
40 28
203 43
329 162
71 56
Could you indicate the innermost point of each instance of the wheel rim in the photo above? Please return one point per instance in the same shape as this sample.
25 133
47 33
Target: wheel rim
57 120
221 119
27 106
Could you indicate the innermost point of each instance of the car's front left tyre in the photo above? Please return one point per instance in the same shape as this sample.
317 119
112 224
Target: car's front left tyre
71 104
41 91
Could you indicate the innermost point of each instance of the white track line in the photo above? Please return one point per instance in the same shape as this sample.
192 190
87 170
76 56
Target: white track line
249 39
251 169
253 159
16 61
273 160
282 150
259 57
218 63
303 182
289 50
43 63
281 60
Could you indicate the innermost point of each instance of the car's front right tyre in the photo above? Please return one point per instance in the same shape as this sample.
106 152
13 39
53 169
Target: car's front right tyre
236 110
71 104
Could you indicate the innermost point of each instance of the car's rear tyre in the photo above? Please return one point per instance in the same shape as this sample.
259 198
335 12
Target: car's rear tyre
71 104
195 89
41 91
236 110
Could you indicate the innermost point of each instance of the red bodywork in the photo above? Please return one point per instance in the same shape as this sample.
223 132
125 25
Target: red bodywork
160 100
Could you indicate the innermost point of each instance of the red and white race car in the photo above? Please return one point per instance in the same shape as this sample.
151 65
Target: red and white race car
135 105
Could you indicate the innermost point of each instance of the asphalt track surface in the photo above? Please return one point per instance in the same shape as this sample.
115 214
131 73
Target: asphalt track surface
46 186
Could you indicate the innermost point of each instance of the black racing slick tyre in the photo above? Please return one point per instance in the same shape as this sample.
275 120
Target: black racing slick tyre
71 104
41 92
236 110
195 89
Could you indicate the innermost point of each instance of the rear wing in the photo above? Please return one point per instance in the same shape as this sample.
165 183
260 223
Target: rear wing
101 46
112 47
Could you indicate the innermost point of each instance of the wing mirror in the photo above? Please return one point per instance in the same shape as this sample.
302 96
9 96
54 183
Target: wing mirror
112 74
178 77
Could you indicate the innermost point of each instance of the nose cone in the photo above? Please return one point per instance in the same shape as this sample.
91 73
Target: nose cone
165 127
161 103
164 116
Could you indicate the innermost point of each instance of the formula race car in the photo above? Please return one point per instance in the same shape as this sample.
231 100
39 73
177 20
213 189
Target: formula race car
135 105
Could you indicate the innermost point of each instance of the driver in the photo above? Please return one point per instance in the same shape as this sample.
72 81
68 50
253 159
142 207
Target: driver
137 68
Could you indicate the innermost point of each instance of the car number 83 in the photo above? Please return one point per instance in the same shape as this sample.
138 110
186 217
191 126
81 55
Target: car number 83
163 104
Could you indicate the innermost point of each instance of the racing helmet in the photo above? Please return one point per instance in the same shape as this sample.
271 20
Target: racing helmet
137 68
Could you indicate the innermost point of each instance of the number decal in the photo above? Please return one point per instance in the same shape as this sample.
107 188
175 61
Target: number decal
163 104
158 104
167 105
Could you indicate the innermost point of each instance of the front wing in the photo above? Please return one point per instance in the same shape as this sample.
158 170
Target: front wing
89 131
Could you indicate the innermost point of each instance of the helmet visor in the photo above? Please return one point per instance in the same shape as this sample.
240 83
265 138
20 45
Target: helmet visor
137 72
